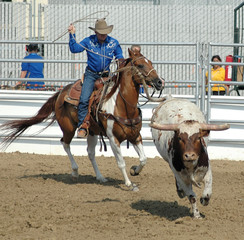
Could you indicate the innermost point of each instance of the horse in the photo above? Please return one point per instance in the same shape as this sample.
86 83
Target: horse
118 117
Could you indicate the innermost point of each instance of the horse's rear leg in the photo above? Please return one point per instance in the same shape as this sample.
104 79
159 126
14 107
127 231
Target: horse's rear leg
135 170
74 166
66 116
68 134
91 145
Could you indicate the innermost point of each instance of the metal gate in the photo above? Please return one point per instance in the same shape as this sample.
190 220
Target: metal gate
238 52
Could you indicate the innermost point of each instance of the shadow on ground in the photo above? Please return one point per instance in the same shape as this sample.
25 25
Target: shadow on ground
82 179
168 210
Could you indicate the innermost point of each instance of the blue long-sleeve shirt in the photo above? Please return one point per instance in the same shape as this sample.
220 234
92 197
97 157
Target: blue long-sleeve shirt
34 70
97 63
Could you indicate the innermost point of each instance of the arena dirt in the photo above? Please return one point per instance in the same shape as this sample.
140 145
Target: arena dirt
39 200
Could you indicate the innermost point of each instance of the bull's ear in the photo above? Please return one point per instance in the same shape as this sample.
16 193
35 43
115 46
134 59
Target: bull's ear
204 133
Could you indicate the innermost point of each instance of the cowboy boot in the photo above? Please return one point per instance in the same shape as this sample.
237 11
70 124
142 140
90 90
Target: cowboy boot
83 130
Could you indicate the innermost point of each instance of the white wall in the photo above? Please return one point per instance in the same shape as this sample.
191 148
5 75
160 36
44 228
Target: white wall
19 104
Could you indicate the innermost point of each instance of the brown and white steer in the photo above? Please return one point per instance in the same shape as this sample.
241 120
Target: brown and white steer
180 133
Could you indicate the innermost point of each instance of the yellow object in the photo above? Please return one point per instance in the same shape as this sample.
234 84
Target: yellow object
217 75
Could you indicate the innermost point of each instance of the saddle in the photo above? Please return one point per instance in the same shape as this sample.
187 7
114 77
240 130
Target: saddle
73 96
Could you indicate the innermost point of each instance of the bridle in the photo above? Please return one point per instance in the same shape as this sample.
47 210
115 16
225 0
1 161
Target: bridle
143 79
138 71
140 74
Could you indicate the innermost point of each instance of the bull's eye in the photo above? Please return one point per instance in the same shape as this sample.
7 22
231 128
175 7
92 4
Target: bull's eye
140 66
180 139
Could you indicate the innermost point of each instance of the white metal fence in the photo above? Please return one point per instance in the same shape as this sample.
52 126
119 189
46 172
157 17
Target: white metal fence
151 24
20 104
182 77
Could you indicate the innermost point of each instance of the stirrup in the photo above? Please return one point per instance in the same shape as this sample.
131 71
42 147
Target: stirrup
82 133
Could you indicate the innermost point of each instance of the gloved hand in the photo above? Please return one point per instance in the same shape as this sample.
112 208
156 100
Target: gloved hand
71 29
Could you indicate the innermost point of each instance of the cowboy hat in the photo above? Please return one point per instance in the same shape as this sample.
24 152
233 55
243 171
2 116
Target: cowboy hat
102 27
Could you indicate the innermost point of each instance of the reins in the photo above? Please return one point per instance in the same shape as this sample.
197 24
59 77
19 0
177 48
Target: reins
153 69
150 98
141 76
132 68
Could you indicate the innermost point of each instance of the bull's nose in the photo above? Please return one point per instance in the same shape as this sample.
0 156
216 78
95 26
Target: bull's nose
190 156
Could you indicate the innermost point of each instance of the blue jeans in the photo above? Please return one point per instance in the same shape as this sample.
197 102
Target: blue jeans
87 89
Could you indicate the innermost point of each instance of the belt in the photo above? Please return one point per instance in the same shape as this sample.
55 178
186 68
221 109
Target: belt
103 74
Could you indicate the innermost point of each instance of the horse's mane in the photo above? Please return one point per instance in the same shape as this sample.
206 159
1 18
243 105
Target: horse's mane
116 79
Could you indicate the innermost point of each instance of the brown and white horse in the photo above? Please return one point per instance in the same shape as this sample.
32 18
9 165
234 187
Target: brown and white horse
118 117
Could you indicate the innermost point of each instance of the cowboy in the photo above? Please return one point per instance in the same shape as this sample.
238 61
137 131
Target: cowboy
100 49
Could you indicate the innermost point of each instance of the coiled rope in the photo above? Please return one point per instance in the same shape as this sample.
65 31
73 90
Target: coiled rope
88 18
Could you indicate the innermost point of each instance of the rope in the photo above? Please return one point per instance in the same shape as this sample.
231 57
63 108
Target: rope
85 19
81 20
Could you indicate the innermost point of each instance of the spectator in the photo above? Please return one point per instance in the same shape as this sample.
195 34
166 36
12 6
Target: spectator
32 69
100 49
217 74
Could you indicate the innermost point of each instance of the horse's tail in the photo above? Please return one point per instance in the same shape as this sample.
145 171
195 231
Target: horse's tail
15 128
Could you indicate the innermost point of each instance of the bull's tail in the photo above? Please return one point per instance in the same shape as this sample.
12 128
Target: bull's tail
13 129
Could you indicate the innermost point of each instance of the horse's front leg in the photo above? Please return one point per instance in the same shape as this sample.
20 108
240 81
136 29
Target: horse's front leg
91 145
135 170
121 163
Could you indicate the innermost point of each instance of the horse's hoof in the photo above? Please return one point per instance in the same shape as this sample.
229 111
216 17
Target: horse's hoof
102 180
74 179
134 188
133 171
75 175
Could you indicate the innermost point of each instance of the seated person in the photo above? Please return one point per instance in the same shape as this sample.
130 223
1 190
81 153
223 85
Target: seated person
217 74
32 69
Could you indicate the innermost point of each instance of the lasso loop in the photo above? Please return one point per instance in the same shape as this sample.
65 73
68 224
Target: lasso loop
88 18
85 19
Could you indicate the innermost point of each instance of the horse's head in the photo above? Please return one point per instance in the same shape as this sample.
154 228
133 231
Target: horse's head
144 70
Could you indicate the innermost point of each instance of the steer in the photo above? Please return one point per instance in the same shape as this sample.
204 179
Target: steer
180 133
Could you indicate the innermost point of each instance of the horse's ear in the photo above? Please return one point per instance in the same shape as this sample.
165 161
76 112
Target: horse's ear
131 53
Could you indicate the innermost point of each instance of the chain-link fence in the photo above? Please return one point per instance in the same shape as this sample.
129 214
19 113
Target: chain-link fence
149 23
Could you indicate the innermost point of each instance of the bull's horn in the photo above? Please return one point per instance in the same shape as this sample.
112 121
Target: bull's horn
214 127
166 127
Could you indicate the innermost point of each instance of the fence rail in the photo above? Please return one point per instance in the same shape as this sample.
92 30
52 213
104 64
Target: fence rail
23 104
157 27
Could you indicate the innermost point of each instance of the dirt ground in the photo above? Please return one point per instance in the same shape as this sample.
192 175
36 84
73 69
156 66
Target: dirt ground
39 200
